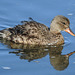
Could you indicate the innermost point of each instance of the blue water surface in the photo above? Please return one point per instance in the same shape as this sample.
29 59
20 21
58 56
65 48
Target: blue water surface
43 11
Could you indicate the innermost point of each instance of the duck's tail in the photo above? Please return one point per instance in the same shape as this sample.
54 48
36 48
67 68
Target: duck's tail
4 33
1 35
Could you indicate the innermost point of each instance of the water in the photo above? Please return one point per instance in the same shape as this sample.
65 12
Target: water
26 60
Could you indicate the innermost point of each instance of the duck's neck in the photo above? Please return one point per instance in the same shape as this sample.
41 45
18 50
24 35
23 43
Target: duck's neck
54 27
55 32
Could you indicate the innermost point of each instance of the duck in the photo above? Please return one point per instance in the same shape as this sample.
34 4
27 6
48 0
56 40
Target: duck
35 33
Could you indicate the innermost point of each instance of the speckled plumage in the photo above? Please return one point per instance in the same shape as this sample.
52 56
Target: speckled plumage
32 32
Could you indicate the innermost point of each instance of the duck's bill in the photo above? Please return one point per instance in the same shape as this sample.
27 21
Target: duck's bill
69 31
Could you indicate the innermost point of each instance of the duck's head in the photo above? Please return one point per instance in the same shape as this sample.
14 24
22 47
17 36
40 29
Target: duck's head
60 23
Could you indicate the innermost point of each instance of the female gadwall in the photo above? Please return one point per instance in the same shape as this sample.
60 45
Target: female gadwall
32 32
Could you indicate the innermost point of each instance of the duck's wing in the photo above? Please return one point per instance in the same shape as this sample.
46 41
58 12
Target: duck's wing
33 28
30 29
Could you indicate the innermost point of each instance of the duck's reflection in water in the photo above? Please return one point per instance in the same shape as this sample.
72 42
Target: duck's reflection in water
57 60
32 52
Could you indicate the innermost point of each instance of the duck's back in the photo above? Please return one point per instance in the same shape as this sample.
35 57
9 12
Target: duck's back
31 32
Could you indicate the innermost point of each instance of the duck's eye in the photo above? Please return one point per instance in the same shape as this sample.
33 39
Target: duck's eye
63 23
